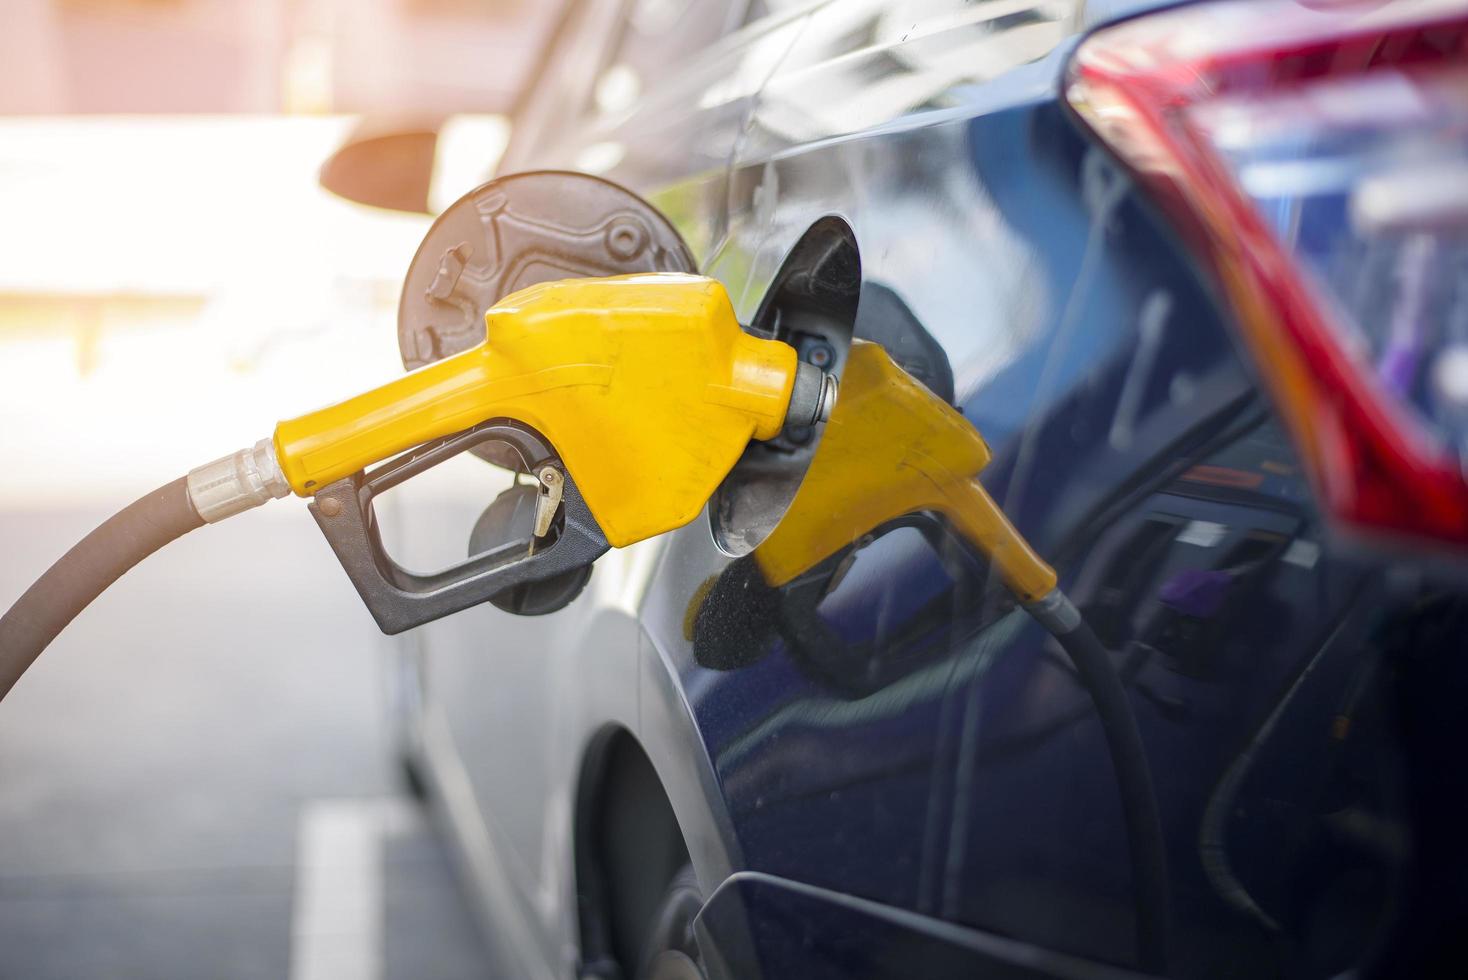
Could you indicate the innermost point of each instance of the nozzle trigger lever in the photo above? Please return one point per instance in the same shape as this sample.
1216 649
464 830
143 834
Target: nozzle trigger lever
400 599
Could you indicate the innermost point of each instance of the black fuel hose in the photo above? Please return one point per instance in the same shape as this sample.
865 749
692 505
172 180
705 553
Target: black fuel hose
84 572
1134 781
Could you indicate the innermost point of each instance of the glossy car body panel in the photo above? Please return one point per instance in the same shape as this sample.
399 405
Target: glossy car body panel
758 925
896 755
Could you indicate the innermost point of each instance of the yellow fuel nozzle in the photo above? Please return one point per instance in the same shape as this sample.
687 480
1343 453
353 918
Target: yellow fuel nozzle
645 385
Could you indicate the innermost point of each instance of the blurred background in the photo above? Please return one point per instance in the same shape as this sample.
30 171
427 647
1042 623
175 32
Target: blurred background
196 779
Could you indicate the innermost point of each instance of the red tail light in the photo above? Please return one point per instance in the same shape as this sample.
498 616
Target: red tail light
1316 157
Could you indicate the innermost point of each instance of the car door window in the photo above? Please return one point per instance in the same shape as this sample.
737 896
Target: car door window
655 39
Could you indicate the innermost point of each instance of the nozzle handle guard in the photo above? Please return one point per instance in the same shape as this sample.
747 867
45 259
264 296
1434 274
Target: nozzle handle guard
399 599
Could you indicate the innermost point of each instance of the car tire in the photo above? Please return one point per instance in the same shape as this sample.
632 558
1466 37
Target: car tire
671 948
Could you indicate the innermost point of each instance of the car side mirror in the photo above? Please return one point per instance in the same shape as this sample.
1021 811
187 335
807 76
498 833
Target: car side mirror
385 164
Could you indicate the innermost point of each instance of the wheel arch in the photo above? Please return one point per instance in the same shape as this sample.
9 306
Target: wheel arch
628 845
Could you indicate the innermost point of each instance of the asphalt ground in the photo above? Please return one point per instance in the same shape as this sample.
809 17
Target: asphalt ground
196 780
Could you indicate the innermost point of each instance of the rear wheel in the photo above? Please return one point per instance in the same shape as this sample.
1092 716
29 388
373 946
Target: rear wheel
671 947
637 894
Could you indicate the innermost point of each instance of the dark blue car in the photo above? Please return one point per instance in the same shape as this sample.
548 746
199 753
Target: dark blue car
1198 277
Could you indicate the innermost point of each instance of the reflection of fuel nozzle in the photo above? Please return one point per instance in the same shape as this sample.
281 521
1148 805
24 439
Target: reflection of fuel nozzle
630 398
892 448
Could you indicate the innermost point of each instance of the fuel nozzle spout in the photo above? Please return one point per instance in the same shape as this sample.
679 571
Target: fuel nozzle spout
812 397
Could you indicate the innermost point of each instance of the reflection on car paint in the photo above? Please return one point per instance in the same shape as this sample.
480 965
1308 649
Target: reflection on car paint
954 683
891 449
